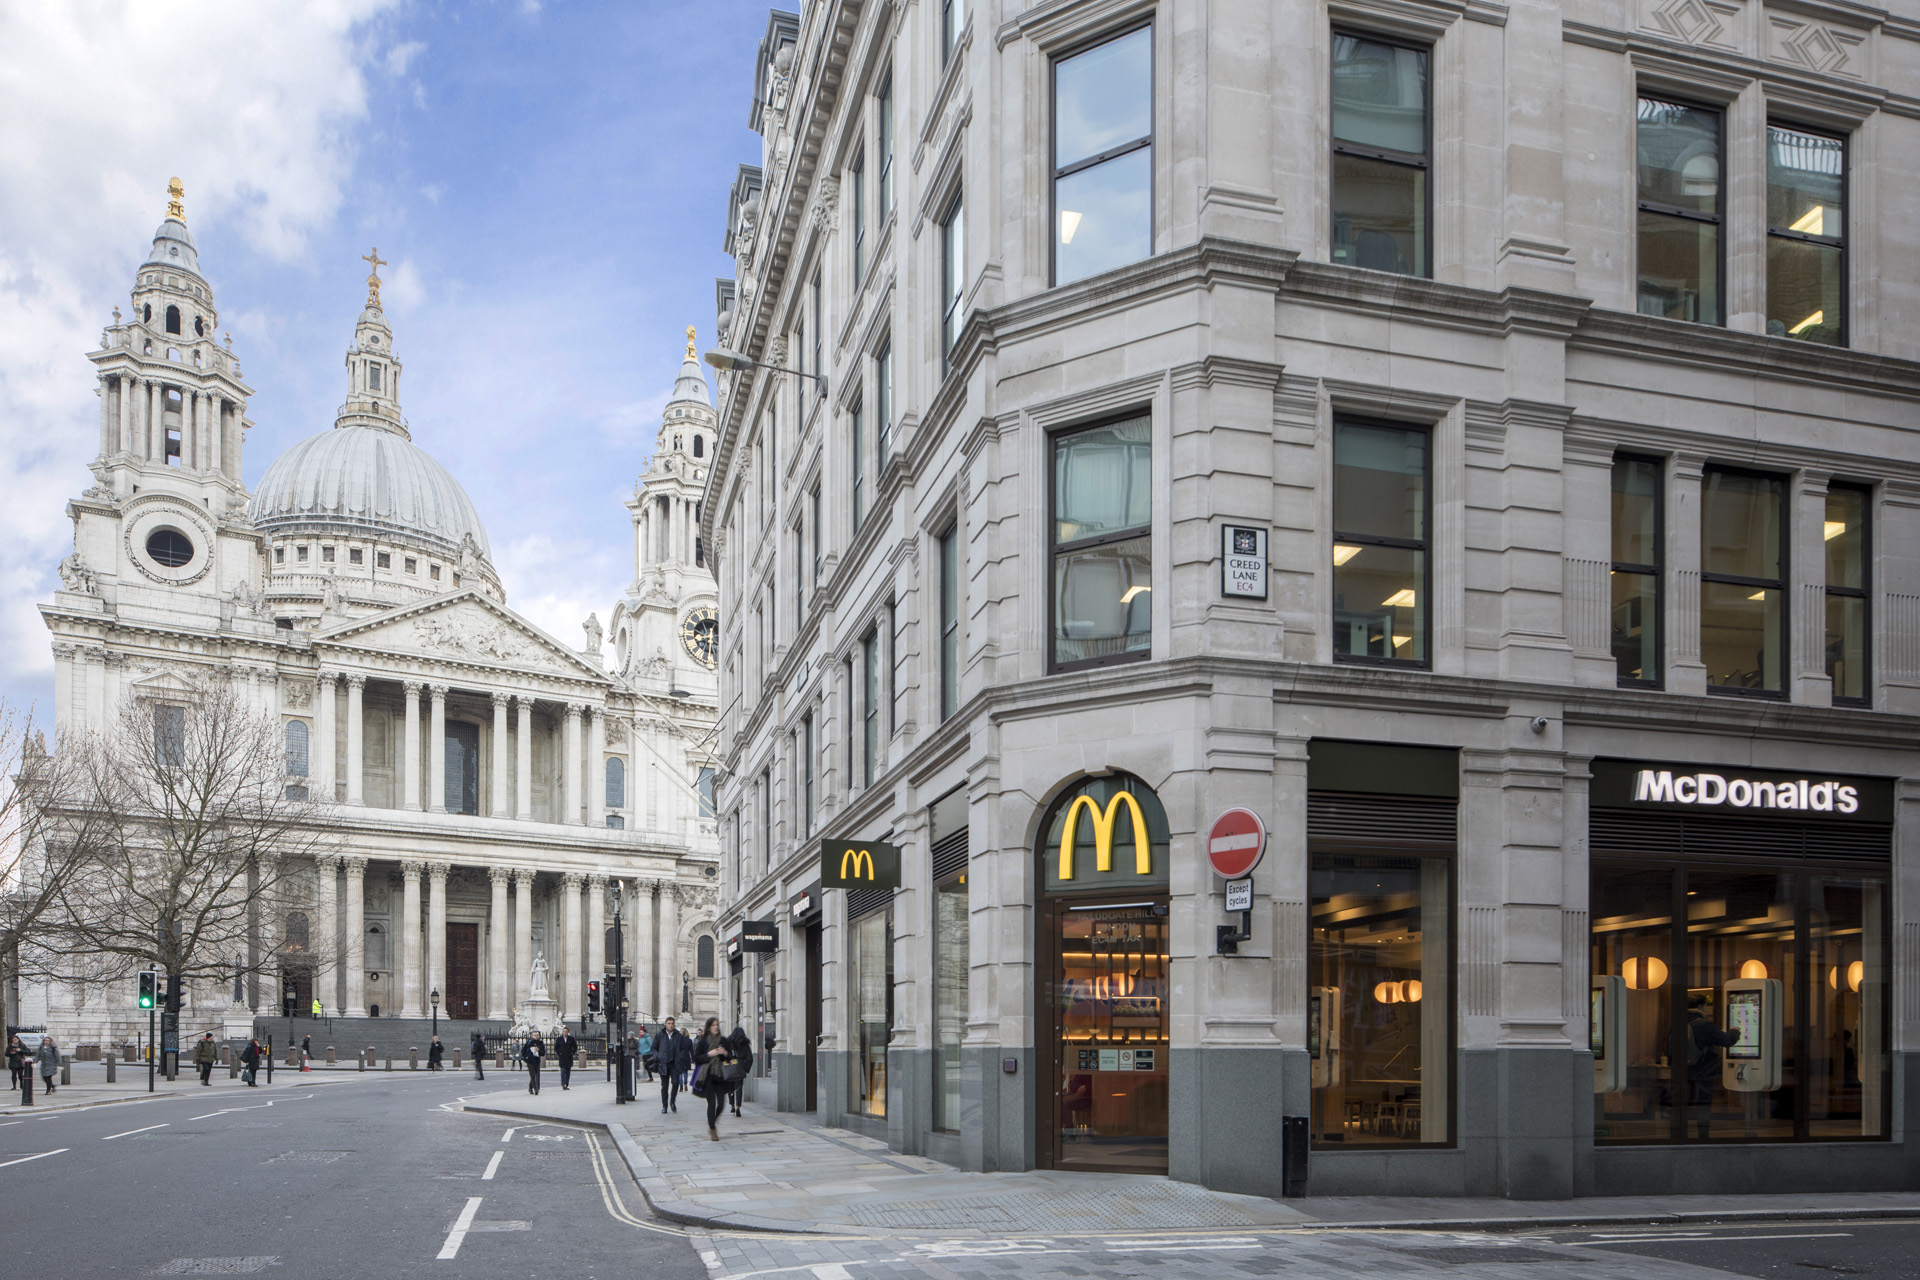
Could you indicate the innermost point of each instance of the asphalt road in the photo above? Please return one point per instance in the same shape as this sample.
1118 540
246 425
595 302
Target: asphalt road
364 1176
1886 1249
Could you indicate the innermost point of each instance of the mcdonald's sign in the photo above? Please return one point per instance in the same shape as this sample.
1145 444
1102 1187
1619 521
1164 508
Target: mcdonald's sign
1126 826
859 864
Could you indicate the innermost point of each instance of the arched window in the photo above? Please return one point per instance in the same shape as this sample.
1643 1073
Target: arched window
616 783
699 445
199 327
298 937
704 968
297 748
146 313
173 319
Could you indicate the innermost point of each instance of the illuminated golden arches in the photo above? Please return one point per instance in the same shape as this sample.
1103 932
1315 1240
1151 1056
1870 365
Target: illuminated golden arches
1103 834
860 858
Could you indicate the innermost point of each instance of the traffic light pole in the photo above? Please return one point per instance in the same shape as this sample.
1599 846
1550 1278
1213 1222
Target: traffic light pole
616 990
150 1048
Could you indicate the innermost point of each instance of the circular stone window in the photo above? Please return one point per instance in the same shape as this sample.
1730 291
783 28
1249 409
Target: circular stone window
169 547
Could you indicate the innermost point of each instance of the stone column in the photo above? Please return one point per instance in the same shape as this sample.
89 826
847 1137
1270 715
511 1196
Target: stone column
325 937
356 723
522 937
499 982
107 433
410 753
411 1003
356 936
156 445
320 759
523 761
668 975
640 956
498 805
572 1003
437 750
123 387
597 933
216 439
437 929
190 430
570 810
596 736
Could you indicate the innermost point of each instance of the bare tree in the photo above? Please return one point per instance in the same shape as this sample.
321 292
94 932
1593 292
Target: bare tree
31 871
184 846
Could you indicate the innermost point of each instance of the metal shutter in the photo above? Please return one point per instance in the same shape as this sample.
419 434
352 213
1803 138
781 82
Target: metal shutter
1350 820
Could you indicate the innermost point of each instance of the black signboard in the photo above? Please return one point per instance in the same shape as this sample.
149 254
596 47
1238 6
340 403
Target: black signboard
1705 789
859 864
759 935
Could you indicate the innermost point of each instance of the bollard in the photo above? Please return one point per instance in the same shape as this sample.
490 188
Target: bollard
329 1055
293 1055
233 1066
361 1060
413 1057
26 1083
389 1061
372 1061
456 1059
500 1059
111 1076
66 1069
226 1054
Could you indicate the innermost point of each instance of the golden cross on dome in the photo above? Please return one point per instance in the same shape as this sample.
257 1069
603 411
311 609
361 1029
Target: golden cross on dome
375 261
175 194
690 354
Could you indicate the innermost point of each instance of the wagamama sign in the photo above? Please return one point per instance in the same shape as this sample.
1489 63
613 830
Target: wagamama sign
1663 786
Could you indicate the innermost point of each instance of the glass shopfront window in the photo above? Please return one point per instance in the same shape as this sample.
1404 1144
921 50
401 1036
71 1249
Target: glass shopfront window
871 987
950 961
1379 1009
766 967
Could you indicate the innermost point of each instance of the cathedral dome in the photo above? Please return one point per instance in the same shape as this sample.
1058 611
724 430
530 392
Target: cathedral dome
362 481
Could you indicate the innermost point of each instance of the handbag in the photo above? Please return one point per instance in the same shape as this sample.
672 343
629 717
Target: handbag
699 1086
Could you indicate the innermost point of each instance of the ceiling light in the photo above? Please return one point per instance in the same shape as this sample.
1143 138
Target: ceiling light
1069 223
1131 593
1343 553
1401 599
1818 317
1835 528
1644 973
1753 969
1758 595
1812 222
1400 640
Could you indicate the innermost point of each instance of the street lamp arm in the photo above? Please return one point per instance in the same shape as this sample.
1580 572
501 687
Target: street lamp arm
727 360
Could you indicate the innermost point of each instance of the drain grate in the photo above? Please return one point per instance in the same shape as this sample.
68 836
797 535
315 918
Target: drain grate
216 1266
1471 1254
309 1157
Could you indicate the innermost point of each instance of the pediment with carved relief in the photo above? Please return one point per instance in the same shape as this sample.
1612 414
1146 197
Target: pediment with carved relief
467 629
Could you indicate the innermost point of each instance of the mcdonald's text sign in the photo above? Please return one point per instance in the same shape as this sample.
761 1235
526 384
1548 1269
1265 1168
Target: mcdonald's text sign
859 864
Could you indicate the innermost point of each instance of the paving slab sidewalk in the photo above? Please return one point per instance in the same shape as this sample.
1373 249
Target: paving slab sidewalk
784 1172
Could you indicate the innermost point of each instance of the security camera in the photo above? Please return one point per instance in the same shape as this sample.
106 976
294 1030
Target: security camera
1538 724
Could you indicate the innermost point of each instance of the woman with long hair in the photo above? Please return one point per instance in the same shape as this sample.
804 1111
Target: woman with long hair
711 1053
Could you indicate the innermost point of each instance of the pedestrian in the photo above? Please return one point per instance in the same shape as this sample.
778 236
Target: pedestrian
250 1064
712 1055
318 1013
644 1048
306 1048
1704 1043
478 1047
741 1065
531 1054
49 1058
435 1052
672 1053
16 1061
204 1056
564 1049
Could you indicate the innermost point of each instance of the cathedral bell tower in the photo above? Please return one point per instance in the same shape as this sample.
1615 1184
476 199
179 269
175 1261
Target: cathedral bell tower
373 374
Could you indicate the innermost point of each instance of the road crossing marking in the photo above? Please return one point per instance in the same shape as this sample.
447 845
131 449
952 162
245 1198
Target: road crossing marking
461 1225
129 1133
23 1159
492 1165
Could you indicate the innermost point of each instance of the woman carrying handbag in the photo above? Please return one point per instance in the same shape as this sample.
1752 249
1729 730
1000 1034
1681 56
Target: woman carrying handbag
711 1054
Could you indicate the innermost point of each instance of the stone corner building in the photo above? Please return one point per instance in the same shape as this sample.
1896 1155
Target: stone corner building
1482 441
488 782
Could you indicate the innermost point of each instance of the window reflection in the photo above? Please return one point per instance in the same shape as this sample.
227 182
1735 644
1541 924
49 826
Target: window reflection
1103 156
1678 175
871 985
1103 556
1379 542
1379 156
1806 226
1636 567
1742 591
1845 534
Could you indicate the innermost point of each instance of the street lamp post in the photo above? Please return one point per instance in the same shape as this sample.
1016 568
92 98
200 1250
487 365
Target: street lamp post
727 360
436 1012
618 1050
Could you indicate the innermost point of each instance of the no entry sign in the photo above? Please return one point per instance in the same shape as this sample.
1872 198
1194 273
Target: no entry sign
1236 842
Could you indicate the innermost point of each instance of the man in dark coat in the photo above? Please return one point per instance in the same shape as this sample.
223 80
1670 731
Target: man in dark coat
531 1054
673 1057
478 1047
564 1049
435 1052
1704 1043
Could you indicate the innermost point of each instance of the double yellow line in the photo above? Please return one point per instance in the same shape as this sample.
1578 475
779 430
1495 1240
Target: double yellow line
610 1194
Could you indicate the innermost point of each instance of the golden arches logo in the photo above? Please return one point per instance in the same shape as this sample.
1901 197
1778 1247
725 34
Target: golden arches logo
1103 824
858 858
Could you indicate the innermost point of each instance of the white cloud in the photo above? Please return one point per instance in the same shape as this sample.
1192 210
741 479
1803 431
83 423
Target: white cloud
401 55
108 100
575 578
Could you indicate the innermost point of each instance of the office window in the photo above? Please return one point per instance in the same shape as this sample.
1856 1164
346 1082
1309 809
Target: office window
893 668
799 575
703 782
1848 601
953 270
846 725
857 204
1679 189
1806 236
806 774
1103 157
766 819
1743 632
1635 576
1380 532
1103 543
870 726
859 459
819 337
953 17
949 622
1380 156
814 501
884 108
297 747
882 407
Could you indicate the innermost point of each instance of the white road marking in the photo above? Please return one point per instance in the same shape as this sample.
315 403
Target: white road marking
831 1271
129 1133
508 1135
492 1165
458 1235
1703 1239
23 1159
4 1124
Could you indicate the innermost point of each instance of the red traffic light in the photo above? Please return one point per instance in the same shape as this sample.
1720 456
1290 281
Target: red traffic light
593 997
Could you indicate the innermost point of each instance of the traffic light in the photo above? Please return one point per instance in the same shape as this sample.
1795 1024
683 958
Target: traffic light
149 989
593 997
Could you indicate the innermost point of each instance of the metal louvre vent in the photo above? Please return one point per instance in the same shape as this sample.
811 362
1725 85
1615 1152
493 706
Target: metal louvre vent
1352 820
864 902
1630 833
950 856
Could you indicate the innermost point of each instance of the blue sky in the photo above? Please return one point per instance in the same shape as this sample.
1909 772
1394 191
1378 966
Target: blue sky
548 181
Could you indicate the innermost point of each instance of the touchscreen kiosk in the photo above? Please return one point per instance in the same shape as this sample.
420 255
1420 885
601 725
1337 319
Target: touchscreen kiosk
1607 1030
1751 1064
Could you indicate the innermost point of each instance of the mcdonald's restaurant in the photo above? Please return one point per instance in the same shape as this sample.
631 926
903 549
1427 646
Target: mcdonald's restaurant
1345 964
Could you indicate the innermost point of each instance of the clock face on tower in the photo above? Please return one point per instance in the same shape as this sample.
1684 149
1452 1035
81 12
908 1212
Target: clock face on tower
700 633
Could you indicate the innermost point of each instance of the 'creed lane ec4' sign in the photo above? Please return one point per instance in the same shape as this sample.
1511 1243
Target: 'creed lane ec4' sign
859 864
1243 562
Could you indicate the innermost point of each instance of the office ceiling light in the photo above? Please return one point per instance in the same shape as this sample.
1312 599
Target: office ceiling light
1398 641
1753 969
1644 973
1758 595
1813 222
1387 992
1410 991
1856 973
1834 528
1069 223
1401 599
1818 317
1343 553
1131 593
